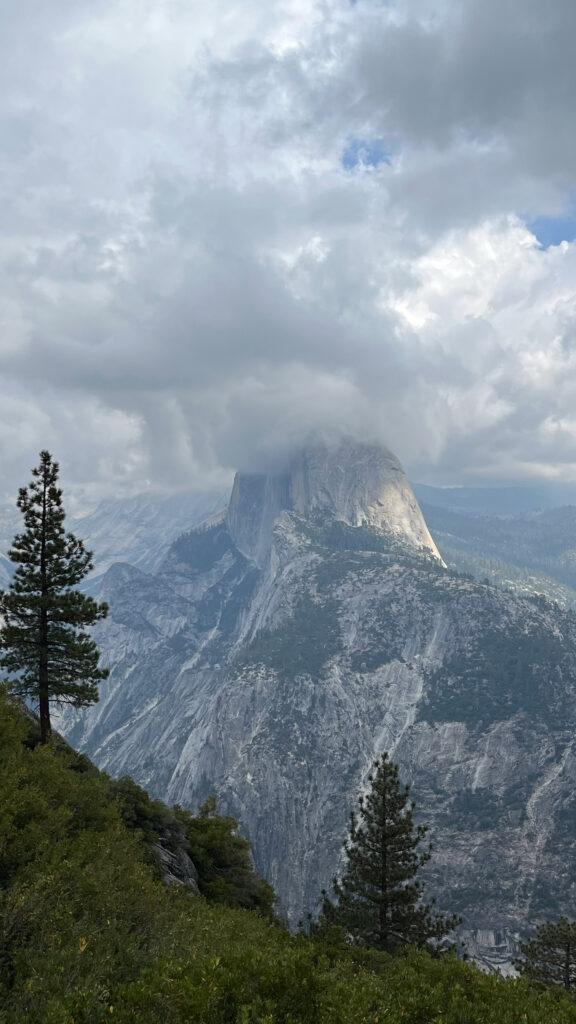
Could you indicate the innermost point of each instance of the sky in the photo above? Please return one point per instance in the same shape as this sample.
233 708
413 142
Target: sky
226 225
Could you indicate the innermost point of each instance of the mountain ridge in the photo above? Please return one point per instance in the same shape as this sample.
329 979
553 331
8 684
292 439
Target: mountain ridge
275 685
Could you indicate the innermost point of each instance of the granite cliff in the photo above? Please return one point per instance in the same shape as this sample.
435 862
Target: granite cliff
311 625
356 484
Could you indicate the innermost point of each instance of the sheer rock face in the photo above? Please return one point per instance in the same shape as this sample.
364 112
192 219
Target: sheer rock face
358 484
362 485
255 505
270 663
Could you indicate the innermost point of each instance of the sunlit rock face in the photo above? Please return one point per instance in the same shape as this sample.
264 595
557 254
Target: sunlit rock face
285 643
357 484
362 485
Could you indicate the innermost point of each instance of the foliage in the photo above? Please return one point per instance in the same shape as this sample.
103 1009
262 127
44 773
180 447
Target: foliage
516 666
378 901
303 643
78 902
88 934
532 551
551 956
152 818
202 548
223 861
221 856
333 535
42 637
262 976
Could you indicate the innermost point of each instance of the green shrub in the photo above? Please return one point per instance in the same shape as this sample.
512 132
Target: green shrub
89 934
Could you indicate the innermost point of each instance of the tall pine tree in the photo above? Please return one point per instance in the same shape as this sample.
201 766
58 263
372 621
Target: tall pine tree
378 899
42 639
551 956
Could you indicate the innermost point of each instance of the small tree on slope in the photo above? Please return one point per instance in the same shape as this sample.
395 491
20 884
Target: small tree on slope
551 956
378 901
42 638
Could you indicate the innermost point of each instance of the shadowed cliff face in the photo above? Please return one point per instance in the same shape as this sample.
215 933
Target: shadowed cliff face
279 649
357 484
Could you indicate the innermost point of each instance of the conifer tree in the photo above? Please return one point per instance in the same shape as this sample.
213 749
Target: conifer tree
551 956
42 638
222 857
378 900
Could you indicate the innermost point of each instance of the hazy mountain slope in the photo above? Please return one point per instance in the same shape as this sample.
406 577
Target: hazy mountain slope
510 501
140 530
9 524
275 684
535 553
137 530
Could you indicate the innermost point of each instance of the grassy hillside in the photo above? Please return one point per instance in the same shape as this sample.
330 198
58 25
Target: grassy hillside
89 933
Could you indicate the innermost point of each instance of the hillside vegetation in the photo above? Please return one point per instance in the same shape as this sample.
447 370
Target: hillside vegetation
89 932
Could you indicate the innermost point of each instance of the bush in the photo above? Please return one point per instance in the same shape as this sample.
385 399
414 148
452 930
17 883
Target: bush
89 934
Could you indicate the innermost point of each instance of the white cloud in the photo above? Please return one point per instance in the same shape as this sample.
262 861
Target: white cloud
191 279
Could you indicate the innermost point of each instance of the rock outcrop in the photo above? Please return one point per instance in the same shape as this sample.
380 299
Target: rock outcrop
171 854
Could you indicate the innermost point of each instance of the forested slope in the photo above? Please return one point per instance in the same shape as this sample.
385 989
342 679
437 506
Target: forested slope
89 932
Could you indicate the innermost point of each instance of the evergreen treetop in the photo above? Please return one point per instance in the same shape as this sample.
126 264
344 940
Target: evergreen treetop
551 956
224 862
42 639
378 899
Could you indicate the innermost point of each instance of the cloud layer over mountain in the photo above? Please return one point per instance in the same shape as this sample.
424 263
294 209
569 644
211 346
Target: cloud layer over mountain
225 225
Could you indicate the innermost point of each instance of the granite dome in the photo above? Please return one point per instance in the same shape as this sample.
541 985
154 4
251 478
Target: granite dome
353 482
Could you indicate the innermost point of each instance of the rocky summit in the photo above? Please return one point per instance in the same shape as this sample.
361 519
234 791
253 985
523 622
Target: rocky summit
356 484
310 626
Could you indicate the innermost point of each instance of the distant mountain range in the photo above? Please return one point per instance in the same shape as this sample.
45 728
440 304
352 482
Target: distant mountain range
529 553
498 501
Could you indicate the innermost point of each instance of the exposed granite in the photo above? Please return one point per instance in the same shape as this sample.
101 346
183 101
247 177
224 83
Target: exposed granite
274 682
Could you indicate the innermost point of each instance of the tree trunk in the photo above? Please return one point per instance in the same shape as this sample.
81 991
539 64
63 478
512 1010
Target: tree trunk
43 679
44 707
383 924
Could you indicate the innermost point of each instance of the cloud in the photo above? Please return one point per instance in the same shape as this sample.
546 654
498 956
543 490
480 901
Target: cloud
224 227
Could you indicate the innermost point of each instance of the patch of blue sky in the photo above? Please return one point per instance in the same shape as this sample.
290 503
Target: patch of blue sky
553 230
360 153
